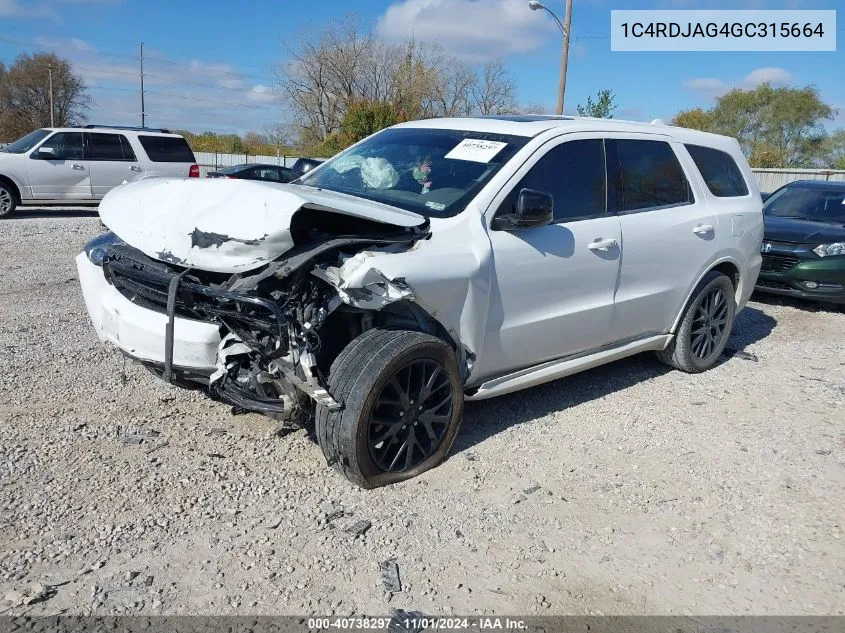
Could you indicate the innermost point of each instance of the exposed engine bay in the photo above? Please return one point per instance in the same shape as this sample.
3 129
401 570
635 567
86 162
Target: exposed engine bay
282 323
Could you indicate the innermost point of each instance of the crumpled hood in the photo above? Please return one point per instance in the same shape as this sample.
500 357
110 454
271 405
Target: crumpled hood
224 225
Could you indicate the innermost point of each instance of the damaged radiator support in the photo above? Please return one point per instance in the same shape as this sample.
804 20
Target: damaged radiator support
272 316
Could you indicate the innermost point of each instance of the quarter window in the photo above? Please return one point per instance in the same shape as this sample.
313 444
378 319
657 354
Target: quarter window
647 175
574 174
719 170
109 147
167 149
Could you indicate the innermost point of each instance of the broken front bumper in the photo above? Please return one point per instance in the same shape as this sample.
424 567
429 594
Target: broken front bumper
140 332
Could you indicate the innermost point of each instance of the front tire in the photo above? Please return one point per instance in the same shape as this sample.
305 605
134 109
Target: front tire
8 200
402 397
705 328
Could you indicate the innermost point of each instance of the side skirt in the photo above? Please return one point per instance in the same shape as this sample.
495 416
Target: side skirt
554 369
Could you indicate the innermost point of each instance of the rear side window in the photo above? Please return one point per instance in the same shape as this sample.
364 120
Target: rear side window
574 174
646 175
167 149
719 170
267 173
109 147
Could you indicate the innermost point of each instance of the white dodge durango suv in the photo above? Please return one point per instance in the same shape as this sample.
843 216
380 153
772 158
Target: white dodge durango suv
434 262
83 164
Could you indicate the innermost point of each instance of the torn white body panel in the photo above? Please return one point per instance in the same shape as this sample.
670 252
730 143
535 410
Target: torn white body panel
448 276
360 285
224 225
140 332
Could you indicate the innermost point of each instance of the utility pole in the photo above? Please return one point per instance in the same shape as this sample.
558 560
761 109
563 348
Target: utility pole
143 112
50 75
564 57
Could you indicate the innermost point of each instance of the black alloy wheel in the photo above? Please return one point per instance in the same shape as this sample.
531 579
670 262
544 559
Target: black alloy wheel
710 323
410 416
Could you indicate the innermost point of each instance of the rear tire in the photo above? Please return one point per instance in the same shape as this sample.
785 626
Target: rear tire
705 328
402 398
8 200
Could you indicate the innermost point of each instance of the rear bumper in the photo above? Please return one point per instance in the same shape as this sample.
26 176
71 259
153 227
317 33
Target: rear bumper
827 273
140 332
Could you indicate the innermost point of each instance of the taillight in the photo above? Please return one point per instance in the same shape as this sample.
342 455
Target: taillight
194 172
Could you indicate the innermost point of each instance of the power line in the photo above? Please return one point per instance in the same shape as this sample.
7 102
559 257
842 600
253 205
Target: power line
215 101
204 66
186 97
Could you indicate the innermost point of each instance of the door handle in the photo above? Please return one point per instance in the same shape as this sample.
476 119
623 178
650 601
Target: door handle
602 245
703 229
78 166
134 168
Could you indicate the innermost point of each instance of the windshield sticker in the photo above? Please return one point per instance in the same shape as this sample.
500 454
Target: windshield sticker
476 150
437 206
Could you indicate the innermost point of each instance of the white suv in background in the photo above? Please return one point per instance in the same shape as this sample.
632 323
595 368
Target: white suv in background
83 164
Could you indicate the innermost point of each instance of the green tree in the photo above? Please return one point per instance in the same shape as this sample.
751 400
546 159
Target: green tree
361 119
835 150
776 127
602 108
695 119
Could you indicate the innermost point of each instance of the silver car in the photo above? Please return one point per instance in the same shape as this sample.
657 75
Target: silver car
434 262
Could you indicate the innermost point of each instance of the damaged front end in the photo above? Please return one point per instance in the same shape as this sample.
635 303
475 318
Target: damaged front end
281 324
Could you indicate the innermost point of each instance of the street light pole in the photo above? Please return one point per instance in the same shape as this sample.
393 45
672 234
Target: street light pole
534 5
50 76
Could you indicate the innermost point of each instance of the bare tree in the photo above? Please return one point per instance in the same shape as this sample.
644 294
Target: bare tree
344 65
533 108
25 95
495 92
281 134
453 85
330 70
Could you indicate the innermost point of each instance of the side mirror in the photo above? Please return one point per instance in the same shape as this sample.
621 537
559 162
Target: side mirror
533 209
46 152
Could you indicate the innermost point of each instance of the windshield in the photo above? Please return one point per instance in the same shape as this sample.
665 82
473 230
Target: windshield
27 142
808 203
430 172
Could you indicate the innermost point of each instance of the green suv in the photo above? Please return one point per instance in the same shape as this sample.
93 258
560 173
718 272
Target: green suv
803 246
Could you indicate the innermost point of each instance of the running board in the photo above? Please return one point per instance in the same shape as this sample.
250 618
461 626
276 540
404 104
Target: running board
554 369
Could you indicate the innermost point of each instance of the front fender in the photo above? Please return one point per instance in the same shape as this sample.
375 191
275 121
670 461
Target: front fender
448 276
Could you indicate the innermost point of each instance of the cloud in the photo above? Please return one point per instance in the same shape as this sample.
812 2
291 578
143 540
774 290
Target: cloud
477 30
28 9
180 93
262 94
771 75
712 88
25 9
71 43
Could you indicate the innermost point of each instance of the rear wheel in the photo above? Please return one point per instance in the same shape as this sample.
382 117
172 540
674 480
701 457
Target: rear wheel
705 328
8 200
402 399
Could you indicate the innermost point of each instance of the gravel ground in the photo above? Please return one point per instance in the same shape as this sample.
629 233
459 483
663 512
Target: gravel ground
629 489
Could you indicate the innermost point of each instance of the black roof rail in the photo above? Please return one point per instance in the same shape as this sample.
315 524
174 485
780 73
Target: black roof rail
132 128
